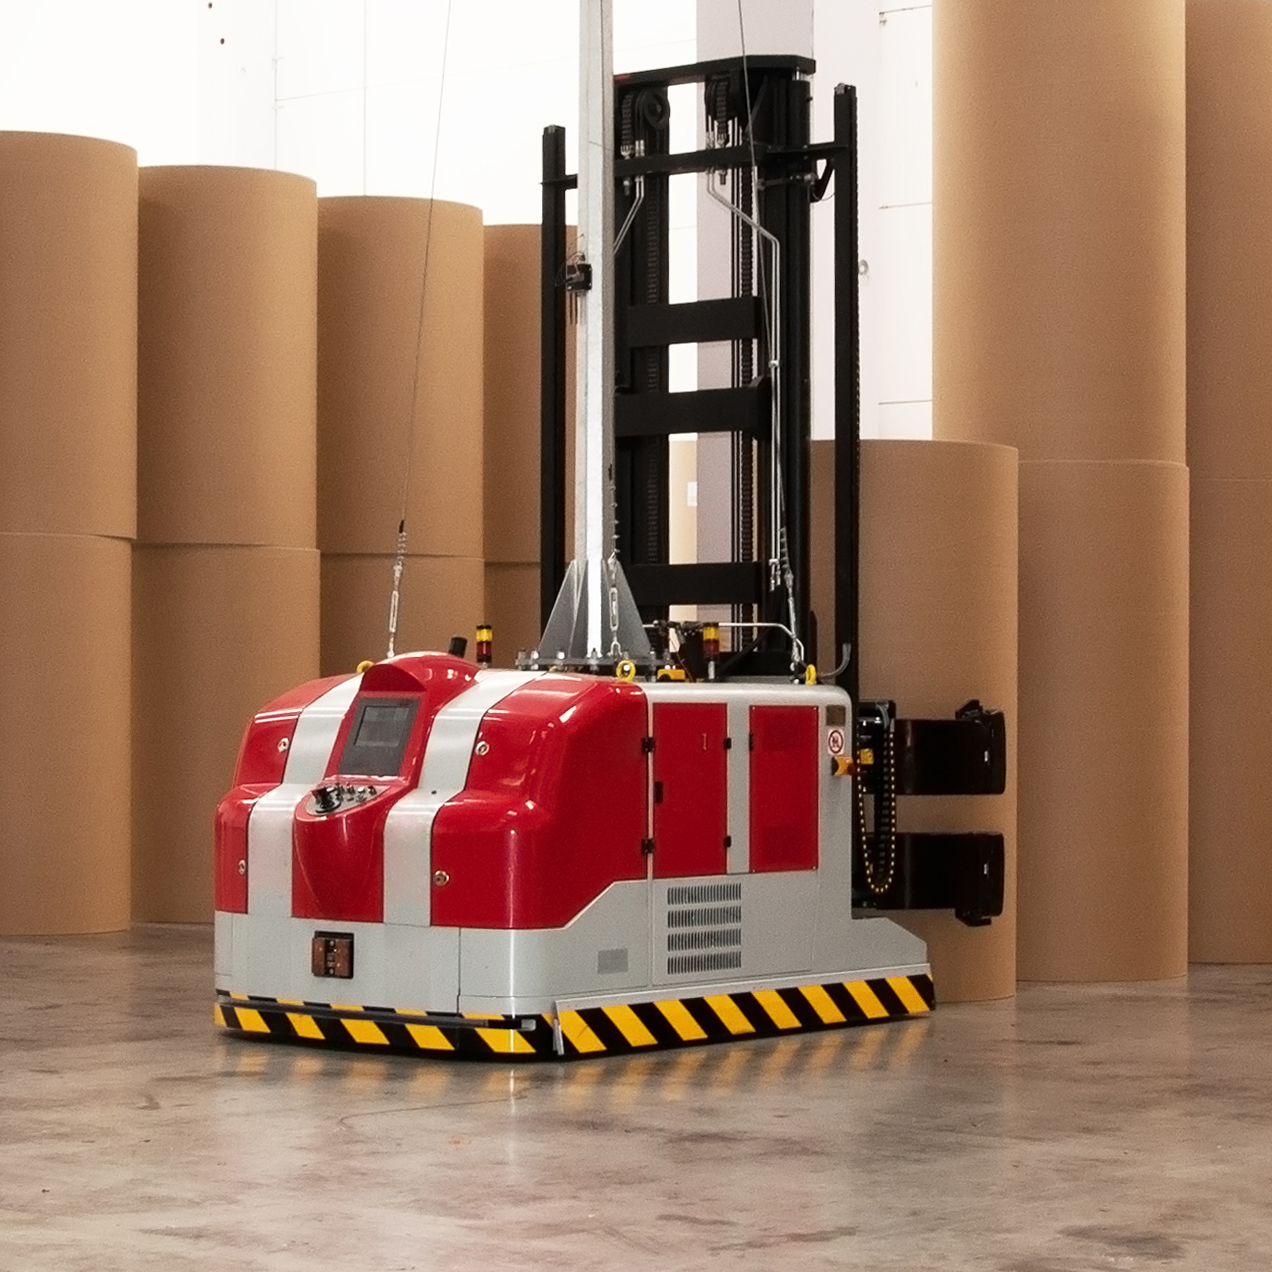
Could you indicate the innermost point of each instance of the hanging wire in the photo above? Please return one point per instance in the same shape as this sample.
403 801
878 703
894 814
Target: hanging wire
399 558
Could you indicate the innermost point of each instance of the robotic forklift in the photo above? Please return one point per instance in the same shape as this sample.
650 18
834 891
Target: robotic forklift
652 833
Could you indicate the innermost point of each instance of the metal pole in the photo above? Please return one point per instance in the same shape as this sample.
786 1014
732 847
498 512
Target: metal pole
594 454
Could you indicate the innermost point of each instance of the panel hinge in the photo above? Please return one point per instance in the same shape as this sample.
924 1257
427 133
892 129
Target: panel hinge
647 847
658 793
647 745
750 741
728 744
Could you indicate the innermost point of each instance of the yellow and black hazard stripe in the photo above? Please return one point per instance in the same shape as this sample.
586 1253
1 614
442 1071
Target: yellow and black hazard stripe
620 1029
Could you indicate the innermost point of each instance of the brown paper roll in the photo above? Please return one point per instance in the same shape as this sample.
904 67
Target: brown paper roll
64 673
1229 249
441 597
512 394
217 633
1058 234
68 335
1230 804
938 626
227 357
371 264
1103 750
512 609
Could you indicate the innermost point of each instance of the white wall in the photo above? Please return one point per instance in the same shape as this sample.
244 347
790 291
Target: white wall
884 48
901 273
345 91
126 72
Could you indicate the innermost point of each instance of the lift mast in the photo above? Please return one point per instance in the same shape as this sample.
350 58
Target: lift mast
595 620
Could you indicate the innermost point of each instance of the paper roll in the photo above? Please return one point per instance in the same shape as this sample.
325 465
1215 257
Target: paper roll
375 394
512 305
64 675
227 357
938 627
1230 804
1059 278
441 597
1103 734
217 633
1229 249
68 335
512 609
1230 450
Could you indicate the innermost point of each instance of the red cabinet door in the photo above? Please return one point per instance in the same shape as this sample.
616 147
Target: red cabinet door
690 789
785 754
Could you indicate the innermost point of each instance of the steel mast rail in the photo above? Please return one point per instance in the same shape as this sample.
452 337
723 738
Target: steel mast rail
594 622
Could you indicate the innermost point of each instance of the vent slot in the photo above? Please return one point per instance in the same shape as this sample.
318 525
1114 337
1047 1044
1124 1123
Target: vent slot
704 893
710 916
704 962
712 938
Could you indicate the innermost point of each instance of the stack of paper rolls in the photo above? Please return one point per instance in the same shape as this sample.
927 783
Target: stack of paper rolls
1059 329
399 423
68 336
226 569
937 628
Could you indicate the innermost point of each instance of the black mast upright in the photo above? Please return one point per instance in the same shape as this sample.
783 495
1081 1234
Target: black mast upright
552 387
847 390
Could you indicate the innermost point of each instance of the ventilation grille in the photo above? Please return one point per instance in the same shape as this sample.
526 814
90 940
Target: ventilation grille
704 928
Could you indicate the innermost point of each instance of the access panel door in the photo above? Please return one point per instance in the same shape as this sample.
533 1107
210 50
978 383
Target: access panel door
690 789
785 755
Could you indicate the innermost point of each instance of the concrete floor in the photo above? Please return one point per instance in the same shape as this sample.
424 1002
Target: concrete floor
1119 1126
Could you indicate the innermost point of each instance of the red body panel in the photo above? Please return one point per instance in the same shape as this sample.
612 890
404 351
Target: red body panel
691 776
261 762
338 860
785 754
554 810
230 852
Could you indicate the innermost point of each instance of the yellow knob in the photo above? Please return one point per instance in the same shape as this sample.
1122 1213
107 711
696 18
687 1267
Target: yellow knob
810 674
365 665
626 670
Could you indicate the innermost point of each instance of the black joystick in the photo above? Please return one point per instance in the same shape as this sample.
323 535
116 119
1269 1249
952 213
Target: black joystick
326 799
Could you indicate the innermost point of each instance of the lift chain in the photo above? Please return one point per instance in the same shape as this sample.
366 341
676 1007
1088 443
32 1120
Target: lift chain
879 851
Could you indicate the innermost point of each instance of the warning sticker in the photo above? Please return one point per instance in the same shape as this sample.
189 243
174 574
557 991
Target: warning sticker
835 742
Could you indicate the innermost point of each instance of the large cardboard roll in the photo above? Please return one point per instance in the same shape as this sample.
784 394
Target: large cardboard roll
938 627
217 633
1229 250
64 747
1103 734
512 365
68 335
1230 801
512 303
227 357
1059 209
395 392
441 597
512 608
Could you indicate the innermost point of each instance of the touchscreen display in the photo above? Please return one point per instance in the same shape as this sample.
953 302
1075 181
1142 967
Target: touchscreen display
378 737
